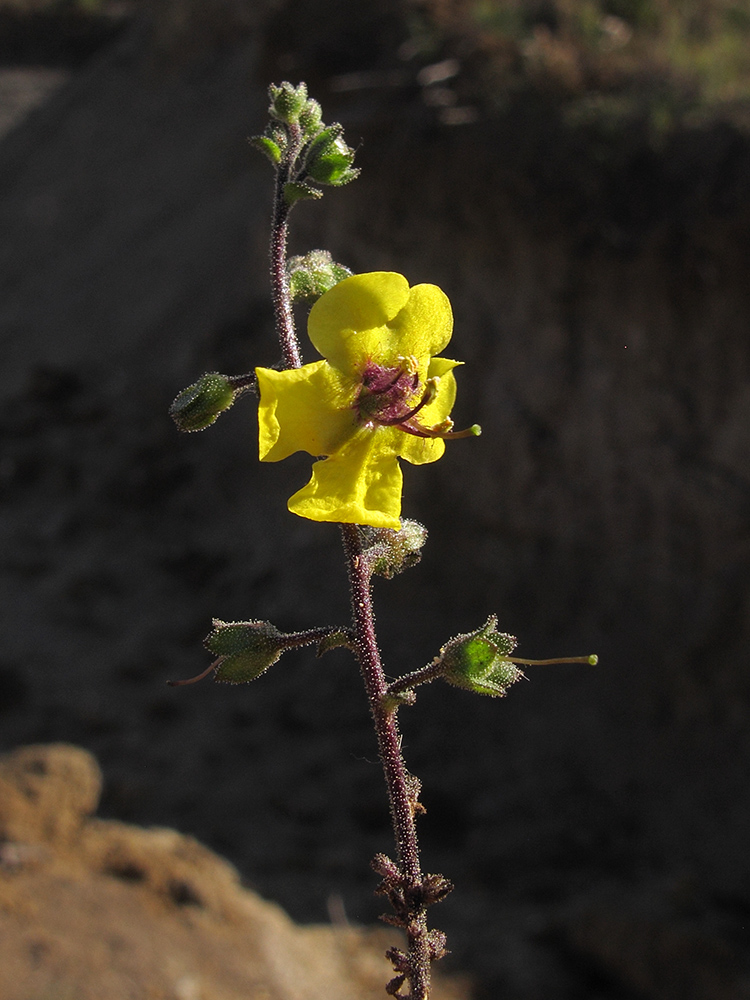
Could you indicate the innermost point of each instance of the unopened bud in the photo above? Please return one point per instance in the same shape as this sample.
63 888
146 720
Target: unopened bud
287 102
247 649
311 118
200 404
389 552
329 160
313 274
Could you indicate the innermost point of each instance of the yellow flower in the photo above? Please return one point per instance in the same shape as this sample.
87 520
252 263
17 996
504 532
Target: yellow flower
379 395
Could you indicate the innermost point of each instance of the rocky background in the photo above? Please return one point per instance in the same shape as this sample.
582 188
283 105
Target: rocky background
585 204
92 907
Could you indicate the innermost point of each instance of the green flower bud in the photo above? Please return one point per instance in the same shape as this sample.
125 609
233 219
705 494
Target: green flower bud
389 552
324 138
287 102
477 661
311 118
313 274
329 159
201 403
247 649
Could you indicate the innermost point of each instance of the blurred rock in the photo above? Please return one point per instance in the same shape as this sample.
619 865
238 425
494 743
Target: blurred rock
118 911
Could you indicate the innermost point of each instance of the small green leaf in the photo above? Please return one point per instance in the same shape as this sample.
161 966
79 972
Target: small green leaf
268 147
334 640
295 191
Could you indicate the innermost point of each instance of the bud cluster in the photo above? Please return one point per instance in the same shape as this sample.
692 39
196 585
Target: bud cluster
302 147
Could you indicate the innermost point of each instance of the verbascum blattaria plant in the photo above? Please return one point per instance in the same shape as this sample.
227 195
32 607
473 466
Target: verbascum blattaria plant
381 392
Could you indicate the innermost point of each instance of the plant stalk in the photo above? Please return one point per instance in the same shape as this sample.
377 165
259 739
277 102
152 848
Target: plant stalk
366 647
389 745
282 300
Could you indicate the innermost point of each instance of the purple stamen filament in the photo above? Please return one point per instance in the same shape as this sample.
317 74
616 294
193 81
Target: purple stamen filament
382 398
428 395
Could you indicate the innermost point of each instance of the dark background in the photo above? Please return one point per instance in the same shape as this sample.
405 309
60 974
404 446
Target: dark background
587 214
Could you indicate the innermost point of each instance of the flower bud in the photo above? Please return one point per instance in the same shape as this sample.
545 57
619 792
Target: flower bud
313 274
247 649
389 552
476 661
330 159
201 403
287 102
311 118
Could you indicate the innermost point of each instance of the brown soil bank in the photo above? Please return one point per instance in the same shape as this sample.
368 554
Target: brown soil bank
93 908
596 823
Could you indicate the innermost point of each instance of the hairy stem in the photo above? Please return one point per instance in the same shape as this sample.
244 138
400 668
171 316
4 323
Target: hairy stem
422 676
282 300
389 745
413 913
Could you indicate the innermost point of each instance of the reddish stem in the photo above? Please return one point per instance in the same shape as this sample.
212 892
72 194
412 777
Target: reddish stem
282 300
389 745
366 647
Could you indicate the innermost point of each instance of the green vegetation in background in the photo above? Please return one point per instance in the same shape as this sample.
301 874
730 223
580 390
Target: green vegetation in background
700 48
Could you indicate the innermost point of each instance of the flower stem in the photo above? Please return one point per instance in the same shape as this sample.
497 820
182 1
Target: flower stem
389 745
282 300
412 912
422 676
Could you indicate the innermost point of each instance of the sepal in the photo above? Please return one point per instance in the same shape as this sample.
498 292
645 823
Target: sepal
478 661
311 118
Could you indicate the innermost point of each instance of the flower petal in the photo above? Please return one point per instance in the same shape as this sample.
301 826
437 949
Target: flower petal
419 450
303 409
346 324
360 484
442 404
424 325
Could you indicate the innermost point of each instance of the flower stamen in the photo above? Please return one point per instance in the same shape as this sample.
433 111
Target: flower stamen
429 394
442 430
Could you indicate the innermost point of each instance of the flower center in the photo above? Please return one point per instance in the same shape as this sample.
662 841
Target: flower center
393 396
387 394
